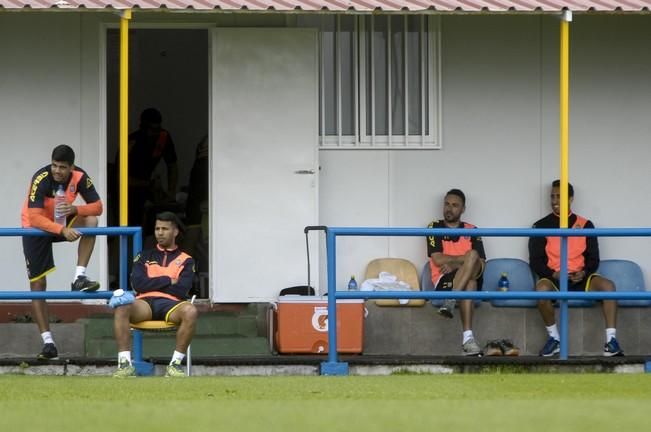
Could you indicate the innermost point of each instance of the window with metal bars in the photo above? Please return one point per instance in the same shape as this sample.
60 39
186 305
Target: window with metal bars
379 80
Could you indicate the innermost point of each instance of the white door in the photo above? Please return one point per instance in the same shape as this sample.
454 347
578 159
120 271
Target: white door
264 136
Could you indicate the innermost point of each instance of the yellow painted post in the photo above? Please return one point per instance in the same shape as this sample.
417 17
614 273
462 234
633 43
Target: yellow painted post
125 16
565 113
565 130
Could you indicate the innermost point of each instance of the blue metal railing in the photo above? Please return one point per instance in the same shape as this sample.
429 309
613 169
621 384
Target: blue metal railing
333 367
123 232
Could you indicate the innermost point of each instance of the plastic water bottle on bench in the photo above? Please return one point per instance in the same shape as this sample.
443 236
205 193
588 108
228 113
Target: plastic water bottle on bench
352 284
503 283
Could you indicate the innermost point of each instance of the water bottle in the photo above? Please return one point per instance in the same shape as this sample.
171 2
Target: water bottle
503 283
352 284
59 197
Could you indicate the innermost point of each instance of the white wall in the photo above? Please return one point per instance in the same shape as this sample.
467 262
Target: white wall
48 96
500 131
500 140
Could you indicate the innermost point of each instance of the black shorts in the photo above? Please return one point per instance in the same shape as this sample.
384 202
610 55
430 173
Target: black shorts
584 285
38 255
161 307
445 283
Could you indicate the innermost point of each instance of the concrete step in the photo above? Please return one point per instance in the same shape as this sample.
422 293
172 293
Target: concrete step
159 345
220 333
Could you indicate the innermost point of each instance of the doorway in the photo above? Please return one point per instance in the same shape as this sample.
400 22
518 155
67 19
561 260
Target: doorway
168 71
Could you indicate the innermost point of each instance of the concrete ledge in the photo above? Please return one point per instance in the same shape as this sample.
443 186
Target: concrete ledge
23 340
421 331
358 365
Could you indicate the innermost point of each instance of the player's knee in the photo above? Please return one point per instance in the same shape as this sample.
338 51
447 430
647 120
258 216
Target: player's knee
91 221
602 284
472 255
38 285
190 314
122 312
544 285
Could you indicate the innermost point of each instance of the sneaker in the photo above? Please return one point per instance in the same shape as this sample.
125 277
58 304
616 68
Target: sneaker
82 283
508 348
493 348
446 310
552 347
470 348
49 352
175 370
125 370
612 348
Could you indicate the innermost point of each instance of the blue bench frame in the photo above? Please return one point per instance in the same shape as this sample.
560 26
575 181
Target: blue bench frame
334 367
134 232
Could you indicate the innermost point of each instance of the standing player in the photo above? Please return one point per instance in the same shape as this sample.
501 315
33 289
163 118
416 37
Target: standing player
38 212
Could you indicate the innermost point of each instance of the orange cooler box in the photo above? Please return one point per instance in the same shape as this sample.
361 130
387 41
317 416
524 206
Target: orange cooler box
302 325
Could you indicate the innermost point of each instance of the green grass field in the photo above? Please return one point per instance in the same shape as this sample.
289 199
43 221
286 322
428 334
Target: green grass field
482 402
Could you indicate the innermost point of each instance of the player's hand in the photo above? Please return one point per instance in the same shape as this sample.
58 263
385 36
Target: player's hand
66 209
70 234
445 268
577 277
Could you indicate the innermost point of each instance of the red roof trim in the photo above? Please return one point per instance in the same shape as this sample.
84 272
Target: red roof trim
496 6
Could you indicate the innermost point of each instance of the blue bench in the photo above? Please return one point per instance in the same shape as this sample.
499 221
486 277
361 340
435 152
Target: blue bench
627 277
520 279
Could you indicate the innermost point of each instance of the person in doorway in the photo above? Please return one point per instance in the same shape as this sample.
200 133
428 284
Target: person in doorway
162 279
197 205
582 263
147 146
457 263
38 212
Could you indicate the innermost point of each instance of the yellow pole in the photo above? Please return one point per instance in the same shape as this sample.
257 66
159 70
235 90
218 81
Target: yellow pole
125 16
565 113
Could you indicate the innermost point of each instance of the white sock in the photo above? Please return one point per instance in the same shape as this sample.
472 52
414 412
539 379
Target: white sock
610 334
467 335
80 271
177 357
552 331
47 337
124 355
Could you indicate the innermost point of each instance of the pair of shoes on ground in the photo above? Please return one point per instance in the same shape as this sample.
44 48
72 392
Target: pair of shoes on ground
126 370
83 284
501 347
553 347
447 309
49 352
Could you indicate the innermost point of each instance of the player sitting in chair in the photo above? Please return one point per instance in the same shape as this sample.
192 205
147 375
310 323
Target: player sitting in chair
162 278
